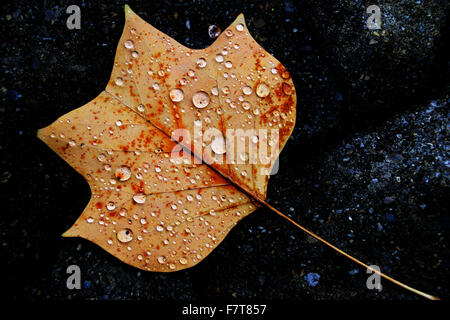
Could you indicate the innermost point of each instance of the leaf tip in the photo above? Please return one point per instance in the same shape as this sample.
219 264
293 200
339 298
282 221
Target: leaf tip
127 10
240 19
65 235
40 133
69 233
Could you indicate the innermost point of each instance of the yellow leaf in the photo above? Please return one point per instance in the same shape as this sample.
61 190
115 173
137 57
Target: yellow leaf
154 208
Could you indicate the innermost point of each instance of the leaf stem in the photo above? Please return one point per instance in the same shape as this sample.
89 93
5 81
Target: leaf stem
418 292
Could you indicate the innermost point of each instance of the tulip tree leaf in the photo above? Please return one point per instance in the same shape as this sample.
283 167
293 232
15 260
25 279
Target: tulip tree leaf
152 207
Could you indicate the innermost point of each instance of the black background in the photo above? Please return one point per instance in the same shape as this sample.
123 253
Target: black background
367 115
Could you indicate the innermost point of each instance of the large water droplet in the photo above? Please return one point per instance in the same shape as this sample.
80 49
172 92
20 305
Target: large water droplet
129 44
262 90
162 259
219 58
176 95
247 90
200 99
110 206
218 145
119 81
139 198
183 260
201 63
123 173
125 235
240 27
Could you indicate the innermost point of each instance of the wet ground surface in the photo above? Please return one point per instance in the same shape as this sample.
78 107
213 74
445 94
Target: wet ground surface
367 166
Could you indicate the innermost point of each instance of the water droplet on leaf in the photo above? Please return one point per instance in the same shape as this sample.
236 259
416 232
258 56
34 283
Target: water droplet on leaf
287 89
285 74
247 90
240 27
262 90
176 95
110 206
125 235
141 108
119 81
129 44
200 99
139 198
101 157
201 63
162 259
218 145
219 58
123 173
